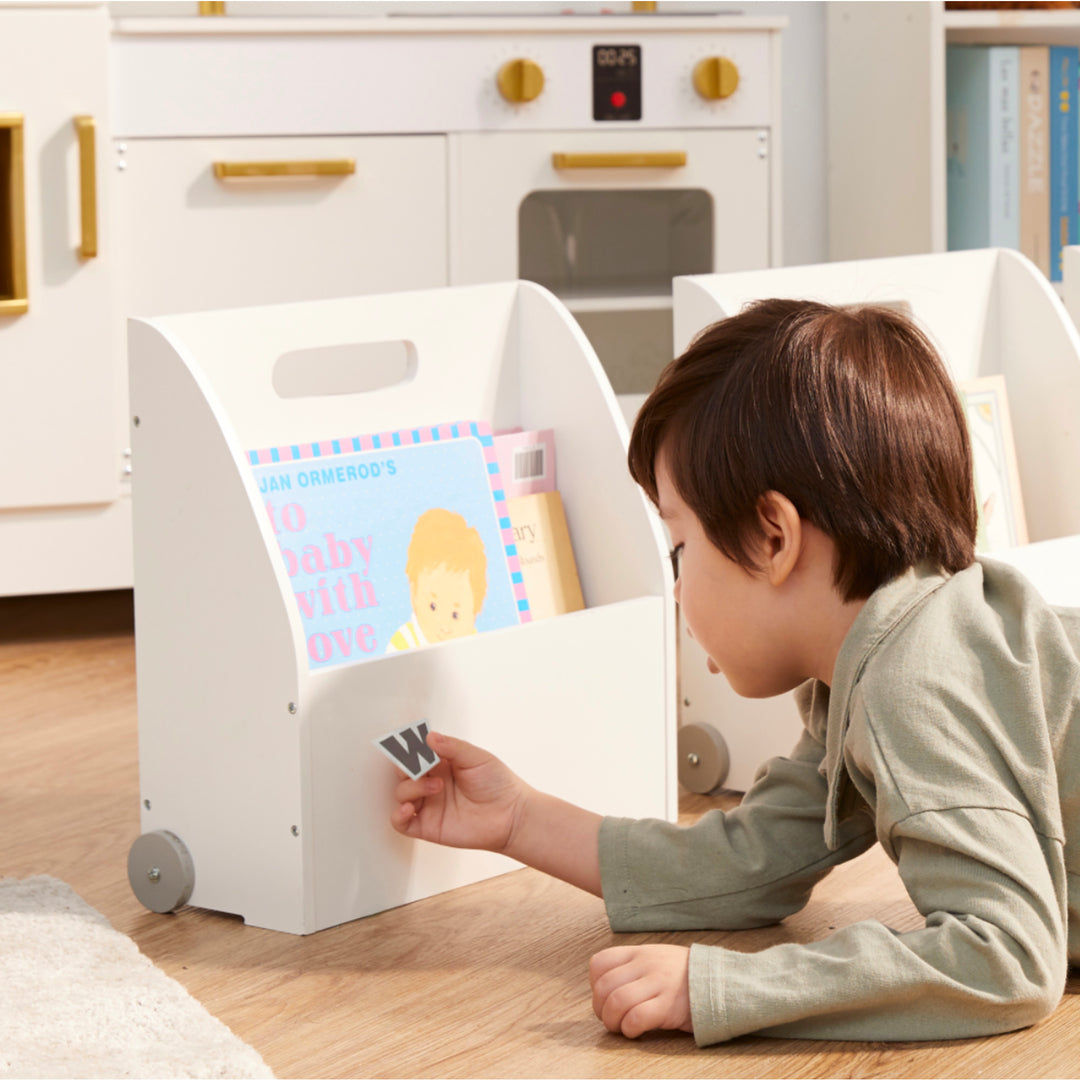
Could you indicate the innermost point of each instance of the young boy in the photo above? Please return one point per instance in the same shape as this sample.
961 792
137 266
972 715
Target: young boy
813 467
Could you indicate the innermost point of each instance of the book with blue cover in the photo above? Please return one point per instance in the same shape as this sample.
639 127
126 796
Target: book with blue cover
982 98
393 541
1064 164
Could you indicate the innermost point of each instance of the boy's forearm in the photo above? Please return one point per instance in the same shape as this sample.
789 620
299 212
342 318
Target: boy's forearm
560 839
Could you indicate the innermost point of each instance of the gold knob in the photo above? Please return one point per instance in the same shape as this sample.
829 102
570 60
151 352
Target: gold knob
716 77
520 80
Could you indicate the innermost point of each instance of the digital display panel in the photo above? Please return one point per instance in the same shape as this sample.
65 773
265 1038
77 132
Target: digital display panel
616 71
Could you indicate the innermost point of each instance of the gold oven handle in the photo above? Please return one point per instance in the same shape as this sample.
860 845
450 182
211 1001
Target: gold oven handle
13 294
85 129
656 159
225 170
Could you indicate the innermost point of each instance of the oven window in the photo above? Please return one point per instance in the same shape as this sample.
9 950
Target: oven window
583 244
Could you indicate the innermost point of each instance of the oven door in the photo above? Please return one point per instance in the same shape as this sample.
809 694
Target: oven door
606 220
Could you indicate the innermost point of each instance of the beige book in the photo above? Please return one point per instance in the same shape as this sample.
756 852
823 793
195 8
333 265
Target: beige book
547 559
1035 155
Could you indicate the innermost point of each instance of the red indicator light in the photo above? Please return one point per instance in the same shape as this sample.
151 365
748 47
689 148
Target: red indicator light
618 99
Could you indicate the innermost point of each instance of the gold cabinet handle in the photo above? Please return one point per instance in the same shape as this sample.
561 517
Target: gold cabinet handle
84 127
225 170
13 295
657 159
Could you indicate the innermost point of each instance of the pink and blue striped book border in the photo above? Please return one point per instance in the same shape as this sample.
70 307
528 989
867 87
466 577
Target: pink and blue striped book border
386 440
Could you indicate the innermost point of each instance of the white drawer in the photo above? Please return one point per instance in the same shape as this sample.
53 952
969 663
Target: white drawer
191 241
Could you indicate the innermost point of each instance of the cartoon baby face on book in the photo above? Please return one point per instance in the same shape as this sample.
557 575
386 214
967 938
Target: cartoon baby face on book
447 571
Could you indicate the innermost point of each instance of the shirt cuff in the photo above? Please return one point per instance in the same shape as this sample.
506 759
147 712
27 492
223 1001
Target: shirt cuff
707 994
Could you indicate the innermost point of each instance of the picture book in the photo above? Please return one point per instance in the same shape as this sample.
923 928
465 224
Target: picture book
547 557
1035 155
982 88
1001 522
393 541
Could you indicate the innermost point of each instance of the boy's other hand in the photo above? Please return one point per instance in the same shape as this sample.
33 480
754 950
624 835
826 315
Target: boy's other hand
469 800
639 988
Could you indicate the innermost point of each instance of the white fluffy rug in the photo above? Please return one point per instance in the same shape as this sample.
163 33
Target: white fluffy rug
78 999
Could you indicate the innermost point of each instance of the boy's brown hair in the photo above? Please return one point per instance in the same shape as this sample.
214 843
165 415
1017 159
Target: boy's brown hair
849 412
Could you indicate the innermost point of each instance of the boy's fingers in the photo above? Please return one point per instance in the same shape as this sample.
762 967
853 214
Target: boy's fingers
411 790
403 816
610 976
645 1016
460 752
621 1002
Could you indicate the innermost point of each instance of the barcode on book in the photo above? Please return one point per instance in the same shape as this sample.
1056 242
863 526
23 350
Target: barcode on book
529 463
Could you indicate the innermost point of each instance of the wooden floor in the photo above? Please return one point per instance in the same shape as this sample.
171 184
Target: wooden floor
489 980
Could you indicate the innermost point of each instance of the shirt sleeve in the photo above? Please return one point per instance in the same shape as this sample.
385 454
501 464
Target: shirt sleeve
747 867
990 958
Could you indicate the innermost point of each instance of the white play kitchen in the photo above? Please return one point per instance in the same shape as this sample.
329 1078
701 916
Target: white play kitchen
222 161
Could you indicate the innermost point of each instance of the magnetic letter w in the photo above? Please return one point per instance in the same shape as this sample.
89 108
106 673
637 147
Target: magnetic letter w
408 747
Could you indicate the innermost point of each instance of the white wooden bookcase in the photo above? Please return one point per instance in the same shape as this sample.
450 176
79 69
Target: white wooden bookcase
988 312
265 770
886 114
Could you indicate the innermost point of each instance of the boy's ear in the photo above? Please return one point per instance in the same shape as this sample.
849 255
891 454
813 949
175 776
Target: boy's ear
781 536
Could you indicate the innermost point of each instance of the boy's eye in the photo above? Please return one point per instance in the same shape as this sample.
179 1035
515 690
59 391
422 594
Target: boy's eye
676 554
454 616
432 605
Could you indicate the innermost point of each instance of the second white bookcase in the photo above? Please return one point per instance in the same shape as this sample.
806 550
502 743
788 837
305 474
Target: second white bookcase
988 312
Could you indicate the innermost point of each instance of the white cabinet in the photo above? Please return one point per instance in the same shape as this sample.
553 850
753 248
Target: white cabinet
886 115
59 375
320 217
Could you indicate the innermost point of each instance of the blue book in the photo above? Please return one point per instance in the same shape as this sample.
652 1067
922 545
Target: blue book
1064 148
982 92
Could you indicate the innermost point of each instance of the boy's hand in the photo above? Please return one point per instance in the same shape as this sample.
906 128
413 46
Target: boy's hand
470 799
637 988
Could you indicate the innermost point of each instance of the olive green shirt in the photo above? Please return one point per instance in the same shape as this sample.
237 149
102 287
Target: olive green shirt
951 736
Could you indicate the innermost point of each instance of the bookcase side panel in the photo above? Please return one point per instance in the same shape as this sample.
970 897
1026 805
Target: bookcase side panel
221 755
619 550
1040 359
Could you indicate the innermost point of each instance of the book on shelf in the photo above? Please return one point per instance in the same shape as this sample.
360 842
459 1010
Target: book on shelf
546 555
1064 151
538 518
526 461
1035 155
982 92
1001 521
394 540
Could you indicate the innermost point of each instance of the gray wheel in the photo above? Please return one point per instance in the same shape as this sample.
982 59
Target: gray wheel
703 758
160 871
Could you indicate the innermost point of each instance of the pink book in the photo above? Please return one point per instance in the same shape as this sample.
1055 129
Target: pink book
526 461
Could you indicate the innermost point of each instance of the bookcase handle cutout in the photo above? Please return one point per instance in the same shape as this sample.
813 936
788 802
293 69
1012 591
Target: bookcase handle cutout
355 368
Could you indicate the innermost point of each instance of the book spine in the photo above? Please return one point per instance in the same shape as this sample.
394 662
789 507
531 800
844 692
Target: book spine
1064 164
1005 146
1034 155
967 102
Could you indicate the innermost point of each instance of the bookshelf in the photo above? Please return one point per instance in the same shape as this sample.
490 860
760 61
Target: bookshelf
886 114
259 764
